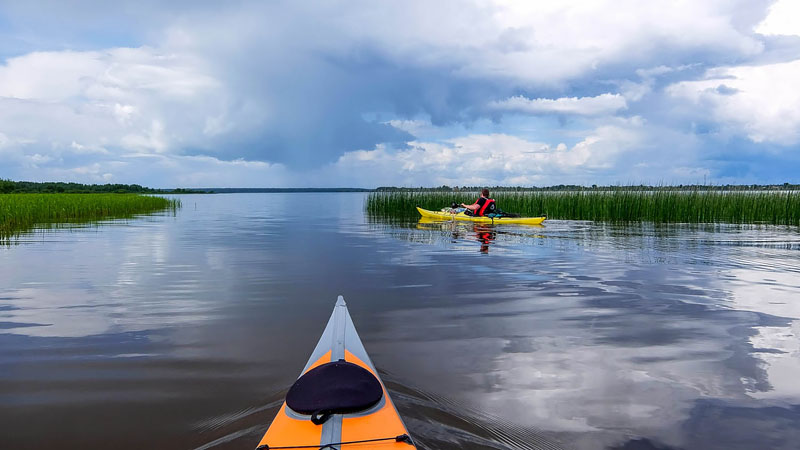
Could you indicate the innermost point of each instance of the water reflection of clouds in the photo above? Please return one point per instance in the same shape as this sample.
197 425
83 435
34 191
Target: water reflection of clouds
117 296
557 373
55 313
778 347
621 335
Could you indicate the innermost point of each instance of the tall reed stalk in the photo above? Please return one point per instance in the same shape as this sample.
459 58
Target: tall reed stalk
21 212
624 205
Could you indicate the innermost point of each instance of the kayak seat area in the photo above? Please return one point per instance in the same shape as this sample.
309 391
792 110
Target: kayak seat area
337 387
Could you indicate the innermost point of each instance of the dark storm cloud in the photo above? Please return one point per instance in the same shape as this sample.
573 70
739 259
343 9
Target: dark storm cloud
338 103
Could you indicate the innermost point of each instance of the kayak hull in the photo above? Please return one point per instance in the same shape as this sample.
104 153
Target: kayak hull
441 215
380 424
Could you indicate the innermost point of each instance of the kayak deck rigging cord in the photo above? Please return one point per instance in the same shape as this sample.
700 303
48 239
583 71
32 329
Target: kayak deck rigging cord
400 438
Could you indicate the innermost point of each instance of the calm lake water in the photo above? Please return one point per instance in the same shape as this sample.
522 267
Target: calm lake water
186 331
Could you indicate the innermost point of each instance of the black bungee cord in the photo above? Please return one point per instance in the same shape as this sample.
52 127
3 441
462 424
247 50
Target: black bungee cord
400 438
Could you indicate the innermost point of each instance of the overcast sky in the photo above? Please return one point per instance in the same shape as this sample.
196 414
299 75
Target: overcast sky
414 93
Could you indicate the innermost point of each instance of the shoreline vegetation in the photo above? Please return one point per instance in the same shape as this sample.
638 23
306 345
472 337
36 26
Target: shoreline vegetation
624 204
23 212
24 205
31 187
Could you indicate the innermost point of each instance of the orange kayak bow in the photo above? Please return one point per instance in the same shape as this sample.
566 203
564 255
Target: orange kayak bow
338 402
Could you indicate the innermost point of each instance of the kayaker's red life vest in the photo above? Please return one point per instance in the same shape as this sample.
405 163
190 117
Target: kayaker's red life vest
488 205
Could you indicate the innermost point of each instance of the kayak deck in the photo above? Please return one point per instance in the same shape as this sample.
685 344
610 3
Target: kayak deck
378 426
441 215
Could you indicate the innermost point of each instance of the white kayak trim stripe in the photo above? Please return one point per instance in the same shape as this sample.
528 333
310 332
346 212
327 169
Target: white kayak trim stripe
332 428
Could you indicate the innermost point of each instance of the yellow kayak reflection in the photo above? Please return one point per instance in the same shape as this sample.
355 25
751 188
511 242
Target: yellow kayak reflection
483 233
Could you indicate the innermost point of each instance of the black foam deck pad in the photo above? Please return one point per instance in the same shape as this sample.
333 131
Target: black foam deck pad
337 387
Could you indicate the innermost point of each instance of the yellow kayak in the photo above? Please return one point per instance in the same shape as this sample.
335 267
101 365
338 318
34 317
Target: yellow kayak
441 215
338 402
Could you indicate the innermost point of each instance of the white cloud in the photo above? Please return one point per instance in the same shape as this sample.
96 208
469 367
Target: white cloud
48 76
414 127
690 173
783 19
490 159
618 150
9 146
151 139
634 91
536 42
83 149
159 170
762 101
599 105
566 40
123 99
116 73
4 141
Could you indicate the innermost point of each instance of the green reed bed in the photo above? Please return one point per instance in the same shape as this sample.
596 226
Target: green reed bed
660 206
22 212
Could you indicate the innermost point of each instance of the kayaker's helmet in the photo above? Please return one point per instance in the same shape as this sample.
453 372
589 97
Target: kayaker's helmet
485 193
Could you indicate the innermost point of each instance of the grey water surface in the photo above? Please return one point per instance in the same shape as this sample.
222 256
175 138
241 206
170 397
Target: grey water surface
185 331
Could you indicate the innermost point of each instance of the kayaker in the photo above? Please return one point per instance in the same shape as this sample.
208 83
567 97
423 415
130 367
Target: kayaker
482 206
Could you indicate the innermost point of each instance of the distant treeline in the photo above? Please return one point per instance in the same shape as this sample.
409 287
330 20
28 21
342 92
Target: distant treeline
280 190
30 187
594 187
